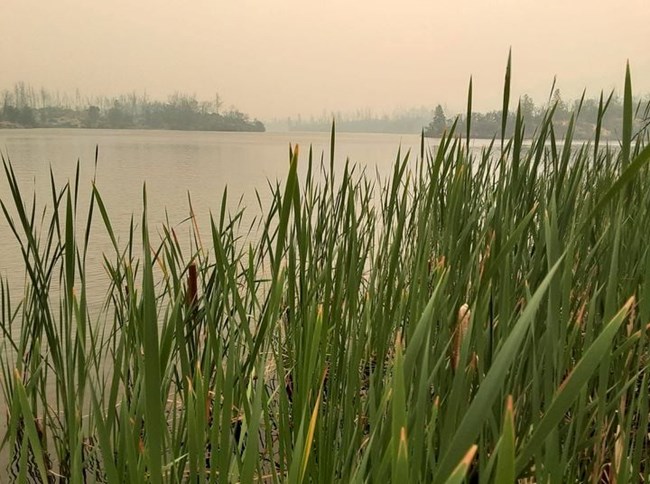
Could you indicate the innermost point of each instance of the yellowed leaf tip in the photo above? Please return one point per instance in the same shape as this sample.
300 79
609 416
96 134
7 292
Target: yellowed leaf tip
469 456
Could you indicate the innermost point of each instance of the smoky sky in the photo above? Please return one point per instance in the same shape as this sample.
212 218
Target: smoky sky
280 58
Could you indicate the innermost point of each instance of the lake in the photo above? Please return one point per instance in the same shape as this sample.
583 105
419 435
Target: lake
171 164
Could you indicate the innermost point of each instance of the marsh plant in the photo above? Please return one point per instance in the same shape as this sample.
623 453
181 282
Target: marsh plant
474 315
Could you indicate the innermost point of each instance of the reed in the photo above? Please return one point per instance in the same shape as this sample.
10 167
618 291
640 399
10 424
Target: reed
328 346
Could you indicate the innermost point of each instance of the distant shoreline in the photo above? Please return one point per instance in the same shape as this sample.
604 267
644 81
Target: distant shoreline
24 107
133 128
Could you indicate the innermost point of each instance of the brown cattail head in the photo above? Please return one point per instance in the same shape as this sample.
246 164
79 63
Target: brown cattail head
192 285
462 324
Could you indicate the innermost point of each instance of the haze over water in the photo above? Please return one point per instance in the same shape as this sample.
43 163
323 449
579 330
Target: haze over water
278 59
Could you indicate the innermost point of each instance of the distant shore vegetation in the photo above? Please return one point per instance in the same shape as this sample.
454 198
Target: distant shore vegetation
579 117
26 107
484 125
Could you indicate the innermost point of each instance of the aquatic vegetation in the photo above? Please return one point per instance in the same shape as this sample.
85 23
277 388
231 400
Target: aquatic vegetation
472 315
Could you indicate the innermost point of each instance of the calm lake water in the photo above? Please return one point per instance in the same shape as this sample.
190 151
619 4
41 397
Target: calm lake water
172 164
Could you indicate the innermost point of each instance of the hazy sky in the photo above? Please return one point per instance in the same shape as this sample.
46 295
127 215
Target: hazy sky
279 58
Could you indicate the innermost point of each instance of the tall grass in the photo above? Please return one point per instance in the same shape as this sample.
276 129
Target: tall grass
471 316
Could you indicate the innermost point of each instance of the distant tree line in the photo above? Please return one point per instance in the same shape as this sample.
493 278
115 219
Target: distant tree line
360 121
484 125
585 114
25 107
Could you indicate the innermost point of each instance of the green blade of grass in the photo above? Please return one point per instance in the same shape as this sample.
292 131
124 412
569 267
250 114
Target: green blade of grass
154 420
506 457
506 99
626 141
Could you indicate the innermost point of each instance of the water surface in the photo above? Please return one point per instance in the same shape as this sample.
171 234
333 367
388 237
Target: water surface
172 165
